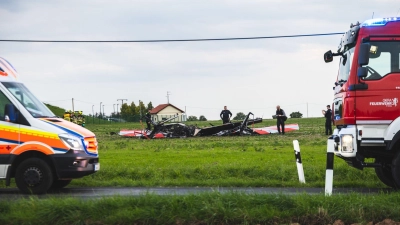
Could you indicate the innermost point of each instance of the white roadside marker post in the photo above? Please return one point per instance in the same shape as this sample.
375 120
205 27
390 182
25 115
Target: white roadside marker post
329 168
298 161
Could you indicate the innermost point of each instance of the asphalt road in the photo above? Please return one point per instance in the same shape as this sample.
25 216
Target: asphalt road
95 192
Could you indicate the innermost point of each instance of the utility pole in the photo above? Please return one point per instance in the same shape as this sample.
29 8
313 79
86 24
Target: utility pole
100 110
114 108
73 105
103 109
168 94
140 110
118 113
122 100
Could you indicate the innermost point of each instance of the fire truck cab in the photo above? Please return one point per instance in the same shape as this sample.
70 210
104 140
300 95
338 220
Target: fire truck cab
366 108
38 149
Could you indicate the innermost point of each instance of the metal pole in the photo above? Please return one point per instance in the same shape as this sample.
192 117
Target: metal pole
122 100
100 108
140 110
118 113
168 94
103 110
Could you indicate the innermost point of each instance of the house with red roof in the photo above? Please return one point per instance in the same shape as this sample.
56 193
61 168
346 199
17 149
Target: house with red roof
166 111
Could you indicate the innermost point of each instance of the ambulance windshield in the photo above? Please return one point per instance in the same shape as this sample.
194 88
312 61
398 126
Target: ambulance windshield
35 107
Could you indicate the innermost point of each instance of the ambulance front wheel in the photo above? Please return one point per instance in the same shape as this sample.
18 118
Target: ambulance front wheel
33 176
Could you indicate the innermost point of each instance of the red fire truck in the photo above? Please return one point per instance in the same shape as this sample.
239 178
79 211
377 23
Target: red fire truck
366 108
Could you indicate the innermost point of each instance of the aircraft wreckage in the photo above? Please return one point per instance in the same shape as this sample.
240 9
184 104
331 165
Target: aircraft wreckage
179 130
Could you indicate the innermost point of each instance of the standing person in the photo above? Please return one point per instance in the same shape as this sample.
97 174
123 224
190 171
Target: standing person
225 115
280 119
147 118
328 119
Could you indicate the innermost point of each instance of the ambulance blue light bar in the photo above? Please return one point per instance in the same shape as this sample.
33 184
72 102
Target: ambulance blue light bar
379 22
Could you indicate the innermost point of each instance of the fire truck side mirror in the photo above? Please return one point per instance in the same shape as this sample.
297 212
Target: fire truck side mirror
362 72
363 54
328 56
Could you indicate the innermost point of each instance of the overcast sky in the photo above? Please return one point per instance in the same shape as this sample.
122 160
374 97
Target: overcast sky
247 76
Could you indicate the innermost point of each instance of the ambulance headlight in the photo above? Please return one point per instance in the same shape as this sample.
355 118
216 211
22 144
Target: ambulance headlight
71 141
347 143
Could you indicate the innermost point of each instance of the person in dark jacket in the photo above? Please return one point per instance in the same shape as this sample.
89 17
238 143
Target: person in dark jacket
280 119
328 120
225 115
147 118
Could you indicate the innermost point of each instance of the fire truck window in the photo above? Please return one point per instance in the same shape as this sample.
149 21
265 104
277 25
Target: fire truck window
379 66
3 102
345 65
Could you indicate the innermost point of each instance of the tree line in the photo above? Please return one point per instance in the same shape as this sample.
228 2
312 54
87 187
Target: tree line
132 112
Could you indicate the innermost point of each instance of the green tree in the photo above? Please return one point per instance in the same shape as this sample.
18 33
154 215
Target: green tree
202 118
296 115
132 106
192 118
126 112
134 112
239 116
150 106
141 109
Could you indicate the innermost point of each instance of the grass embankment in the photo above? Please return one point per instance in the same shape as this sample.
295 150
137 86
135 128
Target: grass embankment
208 208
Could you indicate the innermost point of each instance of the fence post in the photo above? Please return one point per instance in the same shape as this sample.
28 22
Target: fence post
329 167
299 163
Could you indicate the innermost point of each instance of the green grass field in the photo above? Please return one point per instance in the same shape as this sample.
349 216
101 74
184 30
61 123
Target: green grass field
247 161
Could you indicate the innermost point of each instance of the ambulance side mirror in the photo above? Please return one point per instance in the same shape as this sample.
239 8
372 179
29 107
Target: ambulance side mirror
10 113
328 56
363 54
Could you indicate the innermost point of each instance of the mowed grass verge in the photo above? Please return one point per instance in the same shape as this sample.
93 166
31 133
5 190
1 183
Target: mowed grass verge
206 208
247 161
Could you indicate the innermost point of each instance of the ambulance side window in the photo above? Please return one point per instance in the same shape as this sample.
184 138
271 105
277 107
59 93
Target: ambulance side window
3 102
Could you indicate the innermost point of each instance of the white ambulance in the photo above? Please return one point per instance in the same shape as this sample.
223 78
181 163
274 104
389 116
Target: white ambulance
38 149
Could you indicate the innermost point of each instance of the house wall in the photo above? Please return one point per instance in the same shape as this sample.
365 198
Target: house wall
169 112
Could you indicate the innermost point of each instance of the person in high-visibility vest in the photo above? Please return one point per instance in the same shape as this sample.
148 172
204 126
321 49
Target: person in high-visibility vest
67 116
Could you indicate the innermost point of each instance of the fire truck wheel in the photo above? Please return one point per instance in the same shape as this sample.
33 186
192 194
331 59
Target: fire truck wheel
59 184
384 174
396 170
33 176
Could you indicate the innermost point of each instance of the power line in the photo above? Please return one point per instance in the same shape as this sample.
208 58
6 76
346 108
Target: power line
59 100
84 102
171 40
